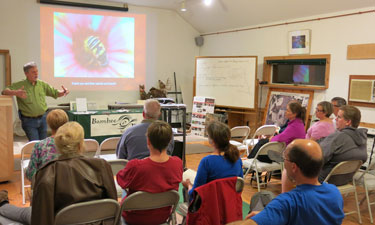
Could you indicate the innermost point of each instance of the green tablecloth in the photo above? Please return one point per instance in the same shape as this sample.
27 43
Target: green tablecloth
87 119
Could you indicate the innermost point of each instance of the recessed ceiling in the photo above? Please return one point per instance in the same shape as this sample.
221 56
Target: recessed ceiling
232 14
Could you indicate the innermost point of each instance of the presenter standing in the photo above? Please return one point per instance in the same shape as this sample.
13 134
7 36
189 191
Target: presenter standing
31 99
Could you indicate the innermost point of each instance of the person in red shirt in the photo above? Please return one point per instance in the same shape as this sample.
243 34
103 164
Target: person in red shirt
157 173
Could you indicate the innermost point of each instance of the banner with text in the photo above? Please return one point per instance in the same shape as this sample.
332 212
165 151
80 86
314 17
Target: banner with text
113 124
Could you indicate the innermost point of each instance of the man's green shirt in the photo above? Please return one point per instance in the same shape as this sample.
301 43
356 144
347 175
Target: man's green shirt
35 103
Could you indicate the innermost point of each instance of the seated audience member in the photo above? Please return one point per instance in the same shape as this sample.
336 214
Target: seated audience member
224 162
295 129
337 102
324 126
295 113
133 144
348 143
69 179
155 174
45 150
310 202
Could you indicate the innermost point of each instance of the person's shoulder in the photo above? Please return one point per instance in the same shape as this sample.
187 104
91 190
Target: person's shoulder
136 127
331 188
175 159
136 162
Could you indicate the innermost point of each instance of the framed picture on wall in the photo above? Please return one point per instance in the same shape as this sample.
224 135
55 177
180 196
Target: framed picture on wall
299 42
278 99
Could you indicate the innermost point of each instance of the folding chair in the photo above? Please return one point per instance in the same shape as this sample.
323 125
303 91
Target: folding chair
25 159
116 166
238 135
141 200
182 208
89 212
343 168
109 146
91 148
258 166
266 130
366 179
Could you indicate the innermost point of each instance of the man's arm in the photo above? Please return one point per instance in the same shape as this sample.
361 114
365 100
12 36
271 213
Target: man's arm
21 93
244 222
121 151
63 92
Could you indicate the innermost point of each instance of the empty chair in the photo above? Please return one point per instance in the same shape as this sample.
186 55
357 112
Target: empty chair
117 165
141 200
91 147
238 135
89 212
367 180
258 166
25 159
108 146
266 130
343 168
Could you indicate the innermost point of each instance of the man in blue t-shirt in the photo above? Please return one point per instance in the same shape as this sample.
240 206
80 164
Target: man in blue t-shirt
310 202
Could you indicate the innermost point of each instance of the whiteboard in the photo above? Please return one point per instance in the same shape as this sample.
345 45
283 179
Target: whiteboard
231 80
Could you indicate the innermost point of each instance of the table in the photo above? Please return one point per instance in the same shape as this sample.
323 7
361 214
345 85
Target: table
102 124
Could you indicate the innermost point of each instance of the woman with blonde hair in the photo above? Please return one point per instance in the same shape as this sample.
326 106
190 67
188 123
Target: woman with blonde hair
224 162
45 150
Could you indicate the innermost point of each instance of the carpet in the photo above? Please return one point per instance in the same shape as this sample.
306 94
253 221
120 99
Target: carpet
196 144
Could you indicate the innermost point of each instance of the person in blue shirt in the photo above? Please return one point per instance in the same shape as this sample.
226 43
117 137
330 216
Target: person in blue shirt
311 202
224 162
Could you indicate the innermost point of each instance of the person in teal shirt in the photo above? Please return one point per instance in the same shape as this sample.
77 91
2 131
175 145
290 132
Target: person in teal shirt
31 101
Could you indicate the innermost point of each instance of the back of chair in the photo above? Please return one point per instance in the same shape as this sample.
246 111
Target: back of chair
91 147
345 167
27 150
109 144
240 184
240 133
274 146
141 200
89 212
267 130
117 165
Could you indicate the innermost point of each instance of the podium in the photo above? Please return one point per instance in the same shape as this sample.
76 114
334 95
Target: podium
6 138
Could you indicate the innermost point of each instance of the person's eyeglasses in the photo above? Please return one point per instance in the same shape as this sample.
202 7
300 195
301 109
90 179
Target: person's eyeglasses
318 110
285 159
336 106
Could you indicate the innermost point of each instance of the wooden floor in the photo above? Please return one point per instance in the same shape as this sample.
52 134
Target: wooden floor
192 162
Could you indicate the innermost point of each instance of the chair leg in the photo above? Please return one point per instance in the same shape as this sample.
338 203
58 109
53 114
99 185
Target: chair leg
23 185
357 204
368 203
257 176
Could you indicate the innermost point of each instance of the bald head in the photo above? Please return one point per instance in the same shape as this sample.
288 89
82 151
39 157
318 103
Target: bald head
307 155
151 109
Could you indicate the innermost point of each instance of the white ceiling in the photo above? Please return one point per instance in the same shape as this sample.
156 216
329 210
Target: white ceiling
232 14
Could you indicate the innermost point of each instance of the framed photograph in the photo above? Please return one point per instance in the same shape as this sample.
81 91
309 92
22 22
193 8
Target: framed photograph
299 42
278 99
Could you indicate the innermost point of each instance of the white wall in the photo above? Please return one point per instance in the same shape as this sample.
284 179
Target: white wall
170 47
327 37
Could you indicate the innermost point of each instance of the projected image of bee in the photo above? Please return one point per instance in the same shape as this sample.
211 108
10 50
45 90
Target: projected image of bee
95 48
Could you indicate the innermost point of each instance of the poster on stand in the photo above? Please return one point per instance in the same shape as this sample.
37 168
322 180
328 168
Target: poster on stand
201 107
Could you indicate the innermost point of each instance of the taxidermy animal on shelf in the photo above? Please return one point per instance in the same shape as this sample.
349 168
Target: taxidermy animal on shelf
143 93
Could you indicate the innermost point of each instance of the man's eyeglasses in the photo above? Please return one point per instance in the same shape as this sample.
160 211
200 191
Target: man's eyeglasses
337 106
285 159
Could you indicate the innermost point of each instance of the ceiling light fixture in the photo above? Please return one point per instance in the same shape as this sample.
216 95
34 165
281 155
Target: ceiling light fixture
183 7
207 2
